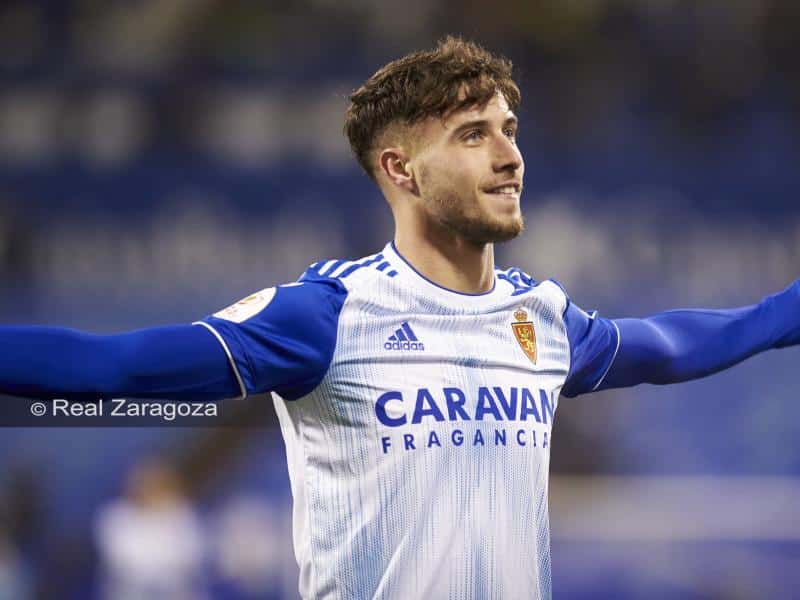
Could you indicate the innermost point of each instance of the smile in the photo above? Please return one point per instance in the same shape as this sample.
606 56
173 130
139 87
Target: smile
506 193
508 190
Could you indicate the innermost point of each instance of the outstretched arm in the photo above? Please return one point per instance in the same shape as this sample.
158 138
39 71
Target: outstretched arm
176 362
279 339
677 345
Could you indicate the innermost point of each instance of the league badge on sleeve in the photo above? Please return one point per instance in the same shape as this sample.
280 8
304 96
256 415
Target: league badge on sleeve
525 334
248 307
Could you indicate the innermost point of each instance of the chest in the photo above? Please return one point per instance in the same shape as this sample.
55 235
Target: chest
425 364
522 335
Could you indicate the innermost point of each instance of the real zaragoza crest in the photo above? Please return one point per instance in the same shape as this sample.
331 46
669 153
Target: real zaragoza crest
525 334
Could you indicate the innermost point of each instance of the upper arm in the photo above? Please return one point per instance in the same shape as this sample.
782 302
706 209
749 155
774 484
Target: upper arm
593 343
281 339
676 345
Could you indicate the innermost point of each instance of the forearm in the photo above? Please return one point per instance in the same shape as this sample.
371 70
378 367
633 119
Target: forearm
182 361
687 344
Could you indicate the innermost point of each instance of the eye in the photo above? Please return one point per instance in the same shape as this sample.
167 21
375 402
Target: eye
510 133
474 135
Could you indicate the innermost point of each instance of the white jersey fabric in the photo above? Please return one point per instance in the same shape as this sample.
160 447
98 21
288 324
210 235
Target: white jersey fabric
417 423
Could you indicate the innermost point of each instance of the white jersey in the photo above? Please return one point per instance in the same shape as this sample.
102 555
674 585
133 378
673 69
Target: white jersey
417 423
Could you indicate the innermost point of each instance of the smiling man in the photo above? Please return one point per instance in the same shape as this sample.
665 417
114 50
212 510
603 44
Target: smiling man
415 387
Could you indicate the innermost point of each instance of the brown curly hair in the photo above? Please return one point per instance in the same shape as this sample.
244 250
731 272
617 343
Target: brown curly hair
456 74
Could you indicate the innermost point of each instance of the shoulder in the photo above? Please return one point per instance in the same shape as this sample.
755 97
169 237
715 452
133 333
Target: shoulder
324 283
349 274
520 282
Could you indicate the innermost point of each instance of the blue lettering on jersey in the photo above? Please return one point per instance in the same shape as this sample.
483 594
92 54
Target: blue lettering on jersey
452 405
380 410
523 437
404 338
528 406
428 406
486 405
547 406
455 399
510 405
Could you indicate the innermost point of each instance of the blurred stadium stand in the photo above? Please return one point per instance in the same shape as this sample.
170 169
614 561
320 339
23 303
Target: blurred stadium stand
162 158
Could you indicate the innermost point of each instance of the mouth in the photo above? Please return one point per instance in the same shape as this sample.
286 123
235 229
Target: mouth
507 190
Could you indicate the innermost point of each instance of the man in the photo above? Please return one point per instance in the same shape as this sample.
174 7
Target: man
150 541
415 387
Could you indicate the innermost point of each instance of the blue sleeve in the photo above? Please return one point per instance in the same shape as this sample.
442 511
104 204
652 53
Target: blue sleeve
593 344
681 345
282 339
175 362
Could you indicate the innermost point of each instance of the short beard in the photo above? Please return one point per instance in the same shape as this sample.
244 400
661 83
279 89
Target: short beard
477 229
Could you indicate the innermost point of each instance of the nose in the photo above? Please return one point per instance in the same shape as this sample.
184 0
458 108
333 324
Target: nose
507 156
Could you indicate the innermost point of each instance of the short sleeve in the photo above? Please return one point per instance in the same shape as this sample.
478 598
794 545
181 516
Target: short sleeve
281 339
593 344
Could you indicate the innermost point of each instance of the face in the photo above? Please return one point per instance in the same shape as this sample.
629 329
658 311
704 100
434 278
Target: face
469 172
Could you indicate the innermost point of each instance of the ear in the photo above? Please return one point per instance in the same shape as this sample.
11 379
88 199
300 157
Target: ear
394 164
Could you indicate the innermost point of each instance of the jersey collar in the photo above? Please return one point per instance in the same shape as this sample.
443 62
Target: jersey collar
409 273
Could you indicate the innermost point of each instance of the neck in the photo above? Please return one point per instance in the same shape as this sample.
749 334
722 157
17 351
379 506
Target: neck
449 260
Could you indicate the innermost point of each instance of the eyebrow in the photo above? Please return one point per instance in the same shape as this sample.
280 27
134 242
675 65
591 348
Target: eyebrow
482 124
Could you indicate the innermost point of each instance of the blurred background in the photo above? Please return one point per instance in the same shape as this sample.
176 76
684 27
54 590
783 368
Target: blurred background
160 159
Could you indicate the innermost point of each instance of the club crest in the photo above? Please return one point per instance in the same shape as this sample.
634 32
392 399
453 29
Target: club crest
525 334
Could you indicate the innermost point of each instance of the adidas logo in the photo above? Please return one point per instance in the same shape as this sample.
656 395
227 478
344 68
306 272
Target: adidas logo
404 339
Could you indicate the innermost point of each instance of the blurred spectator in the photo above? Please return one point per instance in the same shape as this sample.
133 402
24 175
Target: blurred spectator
15 582
150 541
253 549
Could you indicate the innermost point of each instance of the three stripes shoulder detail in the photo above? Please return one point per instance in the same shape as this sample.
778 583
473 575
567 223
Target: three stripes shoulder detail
341 269
520 280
